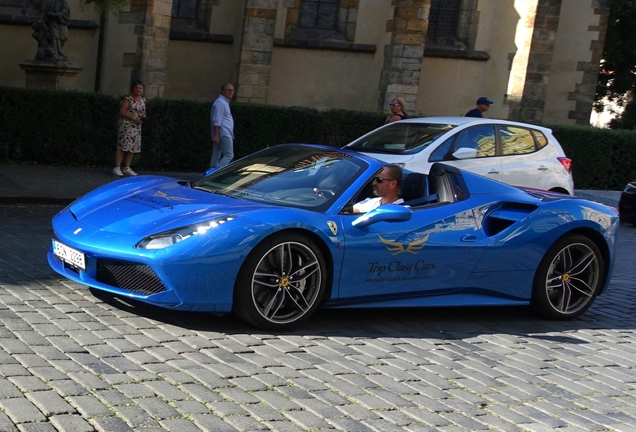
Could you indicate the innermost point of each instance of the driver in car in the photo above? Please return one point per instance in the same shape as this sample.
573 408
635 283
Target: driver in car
385 187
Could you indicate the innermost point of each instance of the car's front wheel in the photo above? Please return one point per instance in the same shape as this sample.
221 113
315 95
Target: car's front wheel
569 278
281 283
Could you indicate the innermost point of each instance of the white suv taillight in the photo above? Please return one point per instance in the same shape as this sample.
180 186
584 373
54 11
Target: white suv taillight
566 162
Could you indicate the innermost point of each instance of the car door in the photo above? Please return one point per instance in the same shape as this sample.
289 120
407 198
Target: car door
482 140
432 253
522 164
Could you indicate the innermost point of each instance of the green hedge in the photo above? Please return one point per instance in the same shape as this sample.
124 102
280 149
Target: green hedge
72 128
601 158
79 129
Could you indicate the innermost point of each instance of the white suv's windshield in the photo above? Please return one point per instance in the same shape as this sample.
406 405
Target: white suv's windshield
401 138
293 176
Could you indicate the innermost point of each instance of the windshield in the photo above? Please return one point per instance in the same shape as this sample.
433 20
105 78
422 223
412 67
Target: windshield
401 138
288 175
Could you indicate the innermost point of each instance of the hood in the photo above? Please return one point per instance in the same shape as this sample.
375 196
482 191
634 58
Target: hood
148 204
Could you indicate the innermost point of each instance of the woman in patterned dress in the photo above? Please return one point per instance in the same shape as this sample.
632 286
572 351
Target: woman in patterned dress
131 114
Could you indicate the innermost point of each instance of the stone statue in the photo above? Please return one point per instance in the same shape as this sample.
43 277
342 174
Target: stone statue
51 31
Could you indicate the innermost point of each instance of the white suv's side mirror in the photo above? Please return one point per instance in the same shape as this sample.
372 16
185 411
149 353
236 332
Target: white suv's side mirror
465 153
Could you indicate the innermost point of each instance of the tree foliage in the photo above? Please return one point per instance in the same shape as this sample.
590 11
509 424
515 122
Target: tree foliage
617 77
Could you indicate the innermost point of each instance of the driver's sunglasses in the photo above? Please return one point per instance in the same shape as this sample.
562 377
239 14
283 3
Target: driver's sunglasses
380 179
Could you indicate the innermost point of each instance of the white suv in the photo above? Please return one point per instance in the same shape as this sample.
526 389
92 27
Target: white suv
519 154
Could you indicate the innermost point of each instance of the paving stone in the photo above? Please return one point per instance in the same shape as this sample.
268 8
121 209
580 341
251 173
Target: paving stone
284 426
306 419
5 423
396 417
21 410
179 425
276 400
121 345
330 397
68 366
70 423
88 380
349 425
140 340
201 393
213 423
136 417
318 375
207 377
13 370
259 360
28 383
8 389
50 403
157 408
135 390
35 427
66 345
117 378
294 392
245 423
89 406
112 397
188 407
263 412
49 353
198 342
308 384
175 377
141 357
110 424
285 372
166 390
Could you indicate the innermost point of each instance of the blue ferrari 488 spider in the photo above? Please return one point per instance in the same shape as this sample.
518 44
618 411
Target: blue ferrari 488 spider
272 237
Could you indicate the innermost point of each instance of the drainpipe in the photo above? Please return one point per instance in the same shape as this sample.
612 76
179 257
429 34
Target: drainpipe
100 49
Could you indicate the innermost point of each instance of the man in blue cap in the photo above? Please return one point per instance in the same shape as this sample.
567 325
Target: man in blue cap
483 104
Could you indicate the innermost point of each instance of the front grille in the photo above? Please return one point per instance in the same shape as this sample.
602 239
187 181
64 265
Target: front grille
138 278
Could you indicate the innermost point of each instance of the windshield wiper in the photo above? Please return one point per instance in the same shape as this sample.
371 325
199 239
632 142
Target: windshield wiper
201 188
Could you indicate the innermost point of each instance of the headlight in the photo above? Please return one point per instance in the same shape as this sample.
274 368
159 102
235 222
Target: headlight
168 238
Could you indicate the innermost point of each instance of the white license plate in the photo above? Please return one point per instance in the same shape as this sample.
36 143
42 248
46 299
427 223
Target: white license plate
69 255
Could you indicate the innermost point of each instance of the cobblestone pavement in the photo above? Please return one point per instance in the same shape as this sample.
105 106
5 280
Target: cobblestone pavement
70 361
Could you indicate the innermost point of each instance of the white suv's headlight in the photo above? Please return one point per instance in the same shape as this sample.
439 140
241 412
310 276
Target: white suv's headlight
168 238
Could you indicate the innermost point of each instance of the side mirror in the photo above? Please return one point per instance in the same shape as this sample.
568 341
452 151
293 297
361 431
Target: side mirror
465 153
384 213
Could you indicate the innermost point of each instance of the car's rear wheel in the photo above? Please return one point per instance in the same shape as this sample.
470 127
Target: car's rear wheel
281 283
569 278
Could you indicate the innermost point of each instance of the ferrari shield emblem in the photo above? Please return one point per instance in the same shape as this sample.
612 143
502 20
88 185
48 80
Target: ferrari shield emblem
333 227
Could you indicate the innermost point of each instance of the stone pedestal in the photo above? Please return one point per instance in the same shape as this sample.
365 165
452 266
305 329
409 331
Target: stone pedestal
50 74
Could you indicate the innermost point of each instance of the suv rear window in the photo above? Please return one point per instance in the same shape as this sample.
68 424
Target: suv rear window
401 138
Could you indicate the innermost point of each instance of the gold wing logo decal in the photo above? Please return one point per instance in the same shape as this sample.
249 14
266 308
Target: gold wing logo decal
398 248
171 197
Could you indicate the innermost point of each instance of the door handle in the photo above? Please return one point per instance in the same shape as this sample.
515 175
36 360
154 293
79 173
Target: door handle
542 168
493 171
469 238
